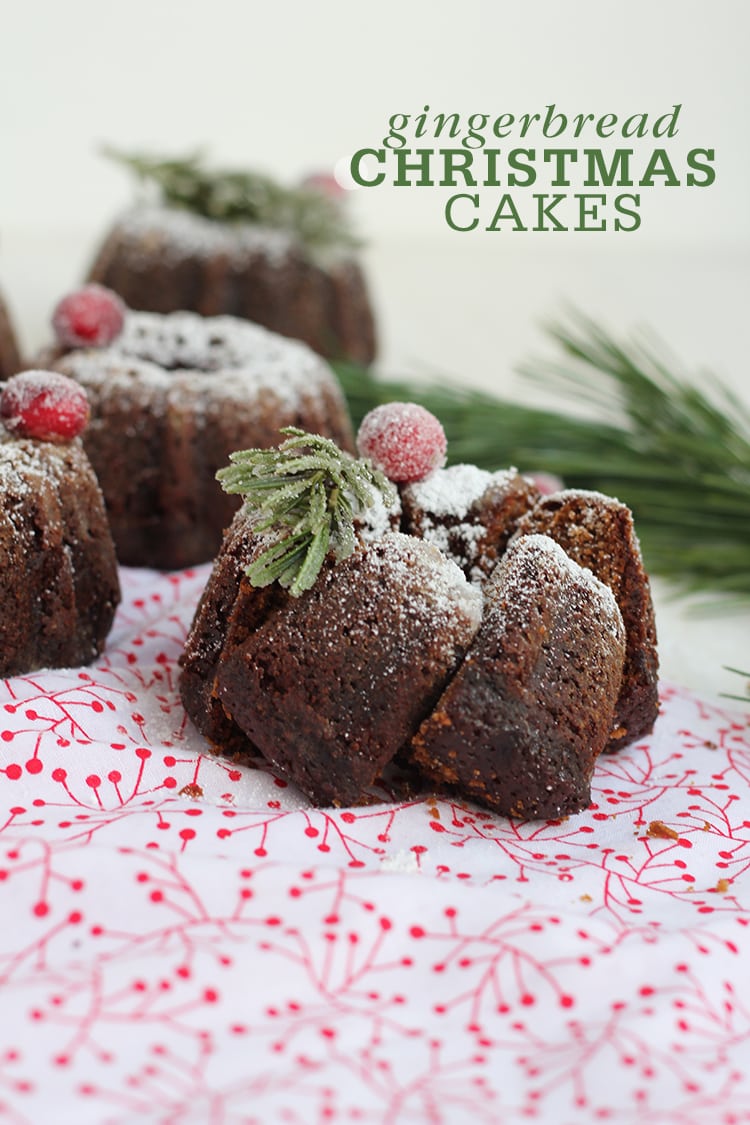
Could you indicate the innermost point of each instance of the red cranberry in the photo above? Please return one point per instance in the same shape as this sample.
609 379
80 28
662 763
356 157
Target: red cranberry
90 317
402 439
44 405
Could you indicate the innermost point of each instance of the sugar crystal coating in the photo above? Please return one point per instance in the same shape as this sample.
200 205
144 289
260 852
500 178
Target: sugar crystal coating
44 405
402 439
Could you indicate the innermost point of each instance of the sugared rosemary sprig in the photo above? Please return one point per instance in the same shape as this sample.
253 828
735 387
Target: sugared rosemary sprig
236 196
308 493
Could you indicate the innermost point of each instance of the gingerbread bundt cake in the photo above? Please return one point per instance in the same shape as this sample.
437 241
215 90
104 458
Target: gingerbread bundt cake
58 573
171 397
241 245
332 682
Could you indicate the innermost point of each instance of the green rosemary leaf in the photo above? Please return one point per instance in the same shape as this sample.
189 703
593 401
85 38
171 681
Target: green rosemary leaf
234 196
308 491
318 506
316 552
277 560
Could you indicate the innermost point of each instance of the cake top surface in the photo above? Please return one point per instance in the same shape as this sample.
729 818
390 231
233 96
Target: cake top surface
585 495
236 353
455 508
28 470
593 509
183 234
24 461
453 491
536 559
435 580
433 594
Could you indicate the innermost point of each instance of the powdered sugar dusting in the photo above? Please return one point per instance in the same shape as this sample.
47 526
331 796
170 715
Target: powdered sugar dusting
452 491
27 470
443 590
582 494
430 595
447 509
379 518
235 357
588 512
532 555
24 463
181 234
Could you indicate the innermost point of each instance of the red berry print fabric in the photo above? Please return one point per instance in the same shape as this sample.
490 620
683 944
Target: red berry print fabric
183 940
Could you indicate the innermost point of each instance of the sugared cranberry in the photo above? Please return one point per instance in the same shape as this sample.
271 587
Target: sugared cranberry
325 184
547 483
90 317
44 405
402 439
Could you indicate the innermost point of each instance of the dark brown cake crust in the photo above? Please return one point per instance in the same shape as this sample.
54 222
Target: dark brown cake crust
522 722
10 360
329 686
162 261
58 574
170 400
229 610
597 532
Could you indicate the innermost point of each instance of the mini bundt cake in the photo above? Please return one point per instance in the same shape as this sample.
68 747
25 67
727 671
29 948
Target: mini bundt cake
597 532
171 397
10 360
240 245
521 724
331 660
468 513
58 574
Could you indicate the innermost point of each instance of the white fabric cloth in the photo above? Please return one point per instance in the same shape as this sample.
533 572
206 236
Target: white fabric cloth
184 940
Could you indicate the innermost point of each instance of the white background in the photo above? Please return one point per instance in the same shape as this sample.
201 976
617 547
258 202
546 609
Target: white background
296 86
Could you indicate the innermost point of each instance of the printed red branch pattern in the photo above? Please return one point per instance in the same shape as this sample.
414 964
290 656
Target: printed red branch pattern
184 940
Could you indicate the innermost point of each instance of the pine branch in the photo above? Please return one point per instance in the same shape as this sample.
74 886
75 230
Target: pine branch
234 196
740 698
677 454
309 494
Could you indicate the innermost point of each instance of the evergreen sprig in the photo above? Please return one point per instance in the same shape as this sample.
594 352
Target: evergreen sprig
238 196
308 493
741 698
676 451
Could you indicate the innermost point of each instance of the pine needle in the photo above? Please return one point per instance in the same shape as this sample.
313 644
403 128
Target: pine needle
677 453
740 698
